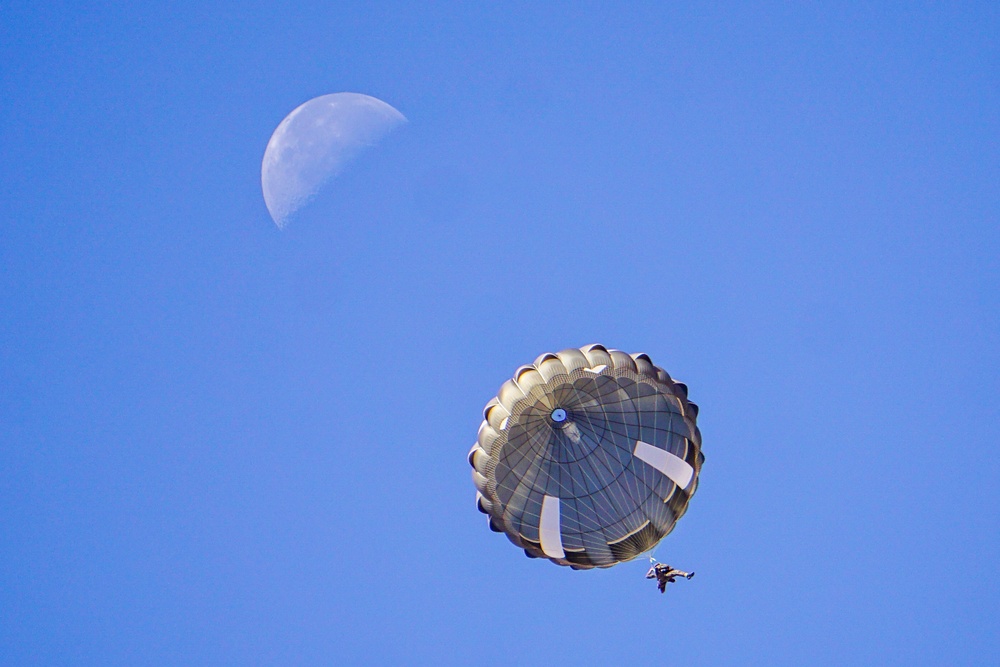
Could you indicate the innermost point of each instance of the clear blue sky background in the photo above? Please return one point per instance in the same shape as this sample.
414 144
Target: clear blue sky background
221 444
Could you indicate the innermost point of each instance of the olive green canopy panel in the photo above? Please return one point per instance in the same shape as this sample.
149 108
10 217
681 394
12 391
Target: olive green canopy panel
587 457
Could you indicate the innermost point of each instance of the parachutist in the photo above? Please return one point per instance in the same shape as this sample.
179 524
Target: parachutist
664 574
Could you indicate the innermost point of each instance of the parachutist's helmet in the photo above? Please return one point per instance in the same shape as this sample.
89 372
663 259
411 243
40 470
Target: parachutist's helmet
587 457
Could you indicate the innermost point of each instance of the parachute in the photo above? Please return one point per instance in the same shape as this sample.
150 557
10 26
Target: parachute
587 457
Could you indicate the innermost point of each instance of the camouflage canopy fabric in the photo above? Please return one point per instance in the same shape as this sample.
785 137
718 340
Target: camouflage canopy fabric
587 457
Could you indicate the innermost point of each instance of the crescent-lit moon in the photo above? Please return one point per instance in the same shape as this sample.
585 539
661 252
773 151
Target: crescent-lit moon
314 143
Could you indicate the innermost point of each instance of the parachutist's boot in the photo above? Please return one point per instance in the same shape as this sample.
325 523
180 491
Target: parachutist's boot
689 575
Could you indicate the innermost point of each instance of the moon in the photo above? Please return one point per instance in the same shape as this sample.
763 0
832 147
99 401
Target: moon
315 142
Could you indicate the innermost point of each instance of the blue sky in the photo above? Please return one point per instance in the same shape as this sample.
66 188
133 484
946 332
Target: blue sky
221 444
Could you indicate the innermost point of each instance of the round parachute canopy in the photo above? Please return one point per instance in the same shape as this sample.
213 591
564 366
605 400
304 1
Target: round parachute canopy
587 457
